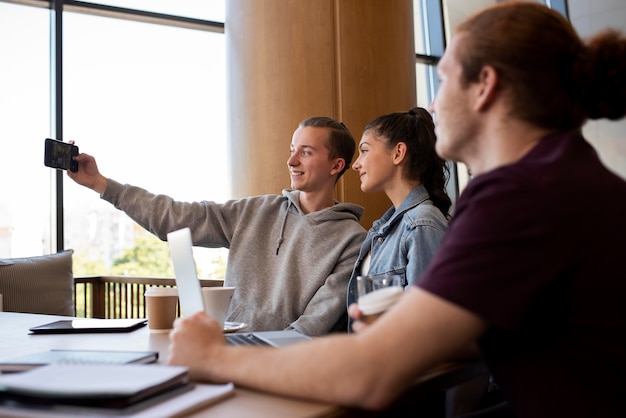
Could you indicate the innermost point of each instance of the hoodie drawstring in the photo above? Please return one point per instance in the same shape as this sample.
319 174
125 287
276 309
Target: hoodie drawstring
282 228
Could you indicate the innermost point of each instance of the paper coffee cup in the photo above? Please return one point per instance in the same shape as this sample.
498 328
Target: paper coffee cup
374 304
161 303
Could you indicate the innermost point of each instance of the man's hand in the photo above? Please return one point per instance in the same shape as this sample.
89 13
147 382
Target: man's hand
194 342
88 174
356 314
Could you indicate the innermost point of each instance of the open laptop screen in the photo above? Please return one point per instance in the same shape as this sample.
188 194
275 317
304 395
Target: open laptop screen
181 252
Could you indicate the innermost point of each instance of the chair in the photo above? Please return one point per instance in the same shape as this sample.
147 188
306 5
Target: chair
40 284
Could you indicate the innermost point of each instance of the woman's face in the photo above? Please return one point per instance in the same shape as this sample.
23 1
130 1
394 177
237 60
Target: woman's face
374 164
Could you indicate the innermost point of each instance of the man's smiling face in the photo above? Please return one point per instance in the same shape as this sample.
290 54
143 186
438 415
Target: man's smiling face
309 164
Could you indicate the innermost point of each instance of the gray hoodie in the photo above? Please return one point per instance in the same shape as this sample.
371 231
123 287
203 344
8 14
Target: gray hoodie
289 269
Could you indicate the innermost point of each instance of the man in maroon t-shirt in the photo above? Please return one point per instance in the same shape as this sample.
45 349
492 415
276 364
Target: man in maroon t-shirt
532 267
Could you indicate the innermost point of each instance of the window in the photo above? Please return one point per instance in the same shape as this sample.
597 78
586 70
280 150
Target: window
430 41
24 116
147 100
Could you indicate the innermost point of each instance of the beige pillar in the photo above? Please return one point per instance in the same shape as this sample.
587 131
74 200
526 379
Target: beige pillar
288 60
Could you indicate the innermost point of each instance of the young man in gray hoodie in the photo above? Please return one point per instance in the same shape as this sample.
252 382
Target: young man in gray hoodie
290 255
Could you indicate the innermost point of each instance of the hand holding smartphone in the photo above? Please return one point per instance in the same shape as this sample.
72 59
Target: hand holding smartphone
60 155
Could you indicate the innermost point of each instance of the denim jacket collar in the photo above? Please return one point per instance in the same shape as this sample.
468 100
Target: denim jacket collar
415 197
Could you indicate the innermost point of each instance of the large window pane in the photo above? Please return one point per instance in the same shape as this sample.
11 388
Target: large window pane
24 124
148 102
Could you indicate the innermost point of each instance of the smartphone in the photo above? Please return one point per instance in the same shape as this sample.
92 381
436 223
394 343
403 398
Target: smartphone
59 154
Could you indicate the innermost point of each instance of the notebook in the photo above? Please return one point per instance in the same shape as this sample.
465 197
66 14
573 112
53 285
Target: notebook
108 386
191 301
55 356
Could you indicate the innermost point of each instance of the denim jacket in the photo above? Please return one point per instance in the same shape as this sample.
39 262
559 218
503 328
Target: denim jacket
403 241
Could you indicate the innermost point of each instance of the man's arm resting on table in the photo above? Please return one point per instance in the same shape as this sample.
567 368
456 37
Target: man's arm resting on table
368 369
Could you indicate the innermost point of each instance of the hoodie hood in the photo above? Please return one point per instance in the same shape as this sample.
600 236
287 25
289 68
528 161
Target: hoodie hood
339 211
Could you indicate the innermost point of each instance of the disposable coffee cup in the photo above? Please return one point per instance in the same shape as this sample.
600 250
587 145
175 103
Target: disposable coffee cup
216 302
372 305
161 304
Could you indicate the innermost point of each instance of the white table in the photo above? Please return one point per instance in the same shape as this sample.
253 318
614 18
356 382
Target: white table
15 340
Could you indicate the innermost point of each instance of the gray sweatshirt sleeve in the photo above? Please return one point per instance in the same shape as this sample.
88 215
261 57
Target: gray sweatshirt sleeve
161 214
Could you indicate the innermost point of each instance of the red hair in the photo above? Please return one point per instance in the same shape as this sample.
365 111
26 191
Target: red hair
555 80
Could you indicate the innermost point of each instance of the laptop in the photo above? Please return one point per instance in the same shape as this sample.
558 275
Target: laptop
191 301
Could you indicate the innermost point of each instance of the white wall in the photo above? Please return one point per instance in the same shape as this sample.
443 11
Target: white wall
590 17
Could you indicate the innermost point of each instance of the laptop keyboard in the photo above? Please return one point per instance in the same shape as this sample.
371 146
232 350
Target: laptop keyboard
244 339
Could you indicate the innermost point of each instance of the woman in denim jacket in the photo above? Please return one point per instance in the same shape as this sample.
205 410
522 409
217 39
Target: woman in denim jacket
397 156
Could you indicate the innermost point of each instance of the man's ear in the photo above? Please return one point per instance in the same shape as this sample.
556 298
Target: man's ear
338 167
399 153
487 88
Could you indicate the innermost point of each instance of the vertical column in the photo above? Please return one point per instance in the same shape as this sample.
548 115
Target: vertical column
288 60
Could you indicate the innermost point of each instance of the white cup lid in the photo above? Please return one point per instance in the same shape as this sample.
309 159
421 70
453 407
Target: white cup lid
379 300
161 291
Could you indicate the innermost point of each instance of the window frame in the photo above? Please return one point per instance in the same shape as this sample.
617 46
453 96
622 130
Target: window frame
57 10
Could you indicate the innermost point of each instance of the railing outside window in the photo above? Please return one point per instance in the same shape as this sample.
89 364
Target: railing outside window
119 296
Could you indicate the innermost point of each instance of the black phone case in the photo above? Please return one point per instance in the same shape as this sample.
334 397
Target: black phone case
60 155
